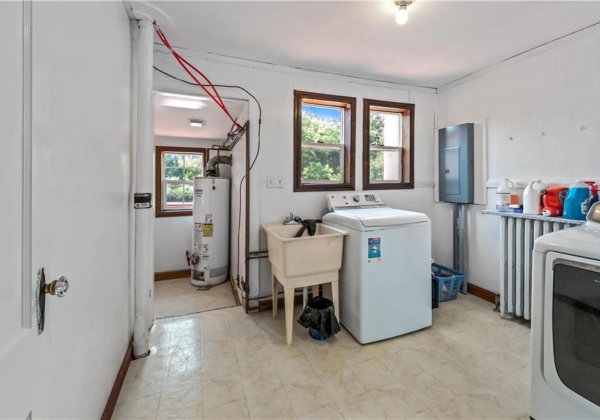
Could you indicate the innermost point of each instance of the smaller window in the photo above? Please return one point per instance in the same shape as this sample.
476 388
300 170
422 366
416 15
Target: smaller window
388 145
176 168
324 127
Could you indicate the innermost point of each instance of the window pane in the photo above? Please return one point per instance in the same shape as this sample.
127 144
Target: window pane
173 161
385 129
322 124
193 166
321 164
385 165
188 194
174 173
175 194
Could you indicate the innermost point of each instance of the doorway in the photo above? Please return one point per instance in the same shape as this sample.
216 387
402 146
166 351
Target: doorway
190 130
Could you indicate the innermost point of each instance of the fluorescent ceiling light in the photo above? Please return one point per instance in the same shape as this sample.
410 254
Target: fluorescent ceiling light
197 123
181 101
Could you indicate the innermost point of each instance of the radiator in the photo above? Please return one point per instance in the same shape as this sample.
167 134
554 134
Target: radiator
518 233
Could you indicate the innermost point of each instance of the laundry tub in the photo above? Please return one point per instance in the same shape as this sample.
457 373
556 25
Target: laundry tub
302 262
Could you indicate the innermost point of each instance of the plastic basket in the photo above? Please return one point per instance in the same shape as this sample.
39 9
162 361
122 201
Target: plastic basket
449 281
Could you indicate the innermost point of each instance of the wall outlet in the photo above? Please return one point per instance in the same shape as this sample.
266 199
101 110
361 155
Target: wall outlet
274 181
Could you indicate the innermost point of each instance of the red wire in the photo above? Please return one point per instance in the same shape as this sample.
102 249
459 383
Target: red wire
183 62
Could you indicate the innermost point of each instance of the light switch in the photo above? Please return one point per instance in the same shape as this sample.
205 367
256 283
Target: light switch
274 181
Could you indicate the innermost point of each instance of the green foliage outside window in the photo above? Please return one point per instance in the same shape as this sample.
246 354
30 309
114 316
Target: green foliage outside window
321 164
376 139
181 167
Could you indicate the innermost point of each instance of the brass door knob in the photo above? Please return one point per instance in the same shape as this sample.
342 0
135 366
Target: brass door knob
57 287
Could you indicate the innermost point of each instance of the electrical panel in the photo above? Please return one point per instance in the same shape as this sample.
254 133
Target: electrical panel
456 163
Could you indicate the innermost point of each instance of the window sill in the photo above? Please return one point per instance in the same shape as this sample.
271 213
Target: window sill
173 213
389 186
323 187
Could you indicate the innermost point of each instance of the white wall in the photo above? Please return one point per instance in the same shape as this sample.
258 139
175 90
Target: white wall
82 78
543 121
274 87
173 235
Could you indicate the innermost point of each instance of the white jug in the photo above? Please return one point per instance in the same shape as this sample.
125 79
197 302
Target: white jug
532 198
503 193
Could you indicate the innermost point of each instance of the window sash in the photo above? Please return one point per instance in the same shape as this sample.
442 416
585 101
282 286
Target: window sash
325 146
167 207
344 147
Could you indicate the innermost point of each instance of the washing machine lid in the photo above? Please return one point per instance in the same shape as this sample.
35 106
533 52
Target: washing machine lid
364 218
581 241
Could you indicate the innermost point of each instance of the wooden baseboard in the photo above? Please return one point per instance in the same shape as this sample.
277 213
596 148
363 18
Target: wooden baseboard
171 275
116 389
481 293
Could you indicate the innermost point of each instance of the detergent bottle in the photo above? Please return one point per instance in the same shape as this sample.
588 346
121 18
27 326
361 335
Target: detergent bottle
587 204
503 195
574 207
532 198
554 198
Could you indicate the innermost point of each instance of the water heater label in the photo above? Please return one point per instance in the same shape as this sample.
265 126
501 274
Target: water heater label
205 251
198 227
207 230
208 218
374 250
199 192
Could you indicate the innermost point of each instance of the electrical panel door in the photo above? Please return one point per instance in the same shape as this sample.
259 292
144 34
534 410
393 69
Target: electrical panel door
456 163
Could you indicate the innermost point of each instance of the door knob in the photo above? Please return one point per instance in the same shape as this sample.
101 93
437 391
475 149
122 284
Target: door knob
57 287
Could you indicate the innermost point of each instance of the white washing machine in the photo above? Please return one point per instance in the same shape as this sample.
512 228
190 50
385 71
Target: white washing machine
385 280
565 323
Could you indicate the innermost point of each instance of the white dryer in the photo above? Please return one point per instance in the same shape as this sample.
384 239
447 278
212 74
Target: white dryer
385 280
565 323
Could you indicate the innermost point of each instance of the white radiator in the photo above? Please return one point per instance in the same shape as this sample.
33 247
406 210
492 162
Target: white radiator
518 233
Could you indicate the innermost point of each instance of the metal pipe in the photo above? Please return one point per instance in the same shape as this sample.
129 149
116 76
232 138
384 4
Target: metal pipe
144 217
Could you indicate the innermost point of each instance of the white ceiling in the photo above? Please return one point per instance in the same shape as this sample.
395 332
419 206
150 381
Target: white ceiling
442 41
173 121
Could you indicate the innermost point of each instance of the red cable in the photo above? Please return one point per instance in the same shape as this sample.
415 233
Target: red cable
183 62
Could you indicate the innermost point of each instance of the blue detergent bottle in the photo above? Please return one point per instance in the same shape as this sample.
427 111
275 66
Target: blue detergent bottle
578 193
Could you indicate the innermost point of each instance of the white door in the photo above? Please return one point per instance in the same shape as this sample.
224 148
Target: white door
17 328
80 211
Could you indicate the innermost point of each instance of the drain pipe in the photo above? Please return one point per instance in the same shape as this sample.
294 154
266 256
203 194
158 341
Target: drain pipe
144 216
212 167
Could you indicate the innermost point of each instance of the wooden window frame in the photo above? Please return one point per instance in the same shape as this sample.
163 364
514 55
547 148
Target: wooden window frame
408 141
158 182
349 140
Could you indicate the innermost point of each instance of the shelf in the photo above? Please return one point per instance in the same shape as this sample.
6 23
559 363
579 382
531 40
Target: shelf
534 217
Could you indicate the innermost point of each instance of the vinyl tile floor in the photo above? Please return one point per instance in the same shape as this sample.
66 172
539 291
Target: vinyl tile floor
225 364
179 297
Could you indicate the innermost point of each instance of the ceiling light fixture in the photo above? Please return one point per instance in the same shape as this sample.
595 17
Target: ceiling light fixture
180 101
197 123
402 13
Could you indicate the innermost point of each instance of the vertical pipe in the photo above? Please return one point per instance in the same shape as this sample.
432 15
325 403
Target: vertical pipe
144 220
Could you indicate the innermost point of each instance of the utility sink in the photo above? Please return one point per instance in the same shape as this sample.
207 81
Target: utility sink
303 262
306 255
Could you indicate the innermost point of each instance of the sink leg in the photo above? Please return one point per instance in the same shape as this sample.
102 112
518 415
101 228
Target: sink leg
274 290
334 296
289 313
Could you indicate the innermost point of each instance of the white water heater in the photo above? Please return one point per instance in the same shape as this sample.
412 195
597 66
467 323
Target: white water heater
211 231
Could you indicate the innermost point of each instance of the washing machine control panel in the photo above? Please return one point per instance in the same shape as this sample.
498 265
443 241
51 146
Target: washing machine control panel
348 200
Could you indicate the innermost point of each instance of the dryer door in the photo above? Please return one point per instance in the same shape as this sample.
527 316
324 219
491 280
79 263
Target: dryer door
572 328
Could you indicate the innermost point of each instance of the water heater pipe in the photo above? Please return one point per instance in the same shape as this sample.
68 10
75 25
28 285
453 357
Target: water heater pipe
144 217
212 166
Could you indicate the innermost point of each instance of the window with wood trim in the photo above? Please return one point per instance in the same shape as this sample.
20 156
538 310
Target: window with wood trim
388 145
176 168
324 142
